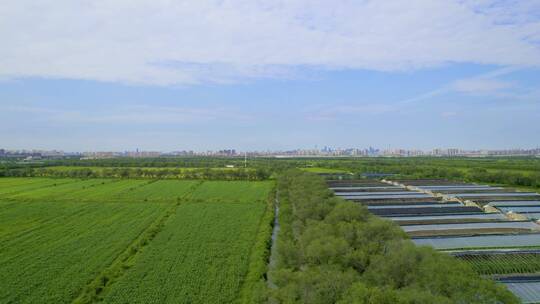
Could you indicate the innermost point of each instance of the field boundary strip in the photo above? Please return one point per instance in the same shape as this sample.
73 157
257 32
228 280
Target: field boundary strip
260 253
95 289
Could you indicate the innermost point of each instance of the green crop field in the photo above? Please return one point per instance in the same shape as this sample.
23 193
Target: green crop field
59 190
200 256
11 186
50 250
162 190
232 191
127 241
504 263
101 190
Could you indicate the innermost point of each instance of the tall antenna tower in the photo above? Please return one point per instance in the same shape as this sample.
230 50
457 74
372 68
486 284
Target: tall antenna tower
245 159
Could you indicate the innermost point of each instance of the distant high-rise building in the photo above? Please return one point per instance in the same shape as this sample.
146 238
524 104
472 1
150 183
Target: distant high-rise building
453 152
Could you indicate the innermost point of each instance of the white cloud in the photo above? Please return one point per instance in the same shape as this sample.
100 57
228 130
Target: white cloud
184 42
481 86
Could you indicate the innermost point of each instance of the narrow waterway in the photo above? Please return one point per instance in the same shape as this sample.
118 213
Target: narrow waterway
273 249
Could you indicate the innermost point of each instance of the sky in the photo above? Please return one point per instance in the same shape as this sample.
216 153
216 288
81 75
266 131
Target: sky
269 75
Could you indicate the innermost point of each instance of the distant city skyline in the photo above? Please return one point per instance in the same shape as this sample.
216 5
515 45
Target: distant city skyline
269 75
325 151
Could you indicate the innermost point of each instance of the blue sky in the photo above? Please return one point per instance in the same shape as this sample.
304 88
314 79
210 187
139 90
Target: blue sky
160 75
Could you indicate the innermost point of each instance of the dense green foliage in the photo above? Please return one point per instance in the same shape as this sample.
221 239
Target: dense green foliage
333 251
148 173
161 162
504 263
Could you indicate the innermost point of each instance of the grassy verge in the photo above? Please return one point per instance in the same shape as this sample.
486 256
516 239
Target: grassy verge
253 287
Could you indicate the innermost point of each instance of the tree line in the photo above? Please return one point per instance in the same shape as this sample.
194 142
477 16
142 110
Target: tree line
154 173
512 171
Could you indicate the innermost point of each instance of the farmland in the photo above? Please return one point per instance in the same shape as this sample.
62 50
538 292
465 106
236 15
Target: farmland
49 250
232 191
10 186
200 256
84 240
133 233
509 263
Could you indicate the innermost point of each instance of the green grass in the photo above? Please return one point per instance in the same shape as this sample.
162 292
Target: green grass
201 256
232 191
504 263
50 250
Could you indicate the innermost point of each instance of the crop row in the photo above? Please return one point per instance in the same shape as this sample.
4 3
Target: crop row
201 256
504 263
49 251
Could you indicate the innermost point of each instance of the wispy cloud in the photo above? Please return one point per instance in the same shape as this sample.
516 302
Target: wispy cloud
129 115
189 42
486 84
481 86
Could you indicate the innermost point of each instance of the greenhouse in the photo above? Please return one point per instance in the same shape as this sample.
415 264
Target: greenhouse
524 225
514 203
483 241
